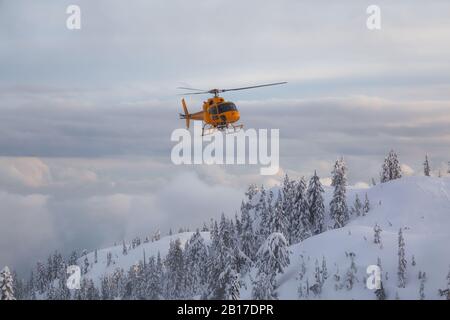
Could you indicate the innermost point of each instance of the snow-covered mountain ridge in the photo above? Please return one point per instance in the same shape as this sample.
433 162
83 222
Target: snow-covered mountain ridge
420 206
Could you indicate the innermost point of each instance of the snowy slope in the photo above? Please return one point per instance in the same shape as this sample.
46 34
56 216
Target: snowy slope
419 205
97 270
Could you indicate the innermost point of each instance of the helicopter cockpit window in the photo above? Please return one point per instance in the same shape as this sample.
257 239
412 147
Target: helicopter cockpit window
227 106
213 110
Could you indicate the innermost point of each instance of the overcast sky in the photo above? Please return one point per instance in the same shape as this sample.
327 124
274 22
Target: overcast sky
86 115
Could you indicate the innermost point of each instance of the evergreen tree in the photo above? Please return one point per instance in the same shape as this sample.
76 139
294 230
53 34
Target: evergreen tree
300 218
174 271
277 219
288 193
338 205
324 269
401 273
448 285
422 286
95 256
124 248
272 259
235 287
85 265
6 285
41 277
366 207
351 278
380 293
357 209
377 231
196 256
265 205
248 236
318 278
426 167
391 168
153 284
73 258
263 288
316 204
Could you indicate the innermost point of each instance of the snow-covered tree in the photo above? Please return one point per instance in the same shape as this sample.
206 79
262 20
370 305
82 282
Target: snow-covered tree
277 217
73 258
448 285
272 259
124 248
422 279
85 265
366 206
263 288
350 276
288 192
357 208
301 220
235 287
248 235
41 278
402 263
391 169
426 167
324 270
316 204
174 271
377 232
223 262
6 285
263 212
318 278
196 256
338 205
380 292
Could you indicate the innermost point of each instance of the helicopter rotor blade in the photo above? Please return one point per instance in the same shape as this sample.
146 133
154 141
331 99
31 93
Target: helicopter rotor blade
193 93
253 87
192 89
217 91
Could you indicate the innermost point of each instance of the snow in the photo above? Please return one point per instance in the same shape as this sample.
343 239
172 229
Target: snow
99 269
419 205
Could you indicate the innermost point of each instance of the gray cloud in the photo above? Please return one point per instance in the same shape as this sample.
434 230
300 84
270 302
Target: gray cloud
86 116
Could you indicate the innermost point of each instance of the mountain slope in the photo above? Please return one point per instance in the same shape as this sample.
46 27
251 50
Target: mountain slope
418 205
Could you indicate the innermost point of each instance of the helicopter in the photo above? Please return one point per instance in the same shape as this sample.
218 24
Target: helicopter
217 114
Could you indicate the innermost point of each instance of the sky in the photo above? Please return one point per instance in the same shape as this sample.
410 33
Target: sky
86 115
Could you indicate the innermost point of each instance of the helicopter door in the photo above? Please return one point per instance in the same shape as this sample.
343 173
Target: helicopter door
213 113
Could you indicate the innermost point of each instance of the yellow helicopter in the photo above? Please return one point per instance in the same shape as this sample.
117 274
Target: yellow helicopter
217 114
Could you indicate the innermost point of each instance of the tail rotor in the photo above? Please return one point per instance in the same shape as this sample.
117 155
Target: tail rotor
186 114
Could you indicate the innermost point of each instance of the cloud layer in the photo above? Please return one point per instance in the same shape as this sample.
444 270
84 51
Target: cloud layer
86 116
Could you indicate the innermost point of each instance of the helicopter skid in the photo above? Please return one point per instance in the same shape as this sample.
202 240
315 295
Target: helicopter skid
227 129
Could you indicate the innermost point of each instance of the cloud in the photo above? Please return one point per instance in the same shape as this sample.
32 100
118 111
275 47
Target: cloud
27 229
67 218
407 170
26 171
86 116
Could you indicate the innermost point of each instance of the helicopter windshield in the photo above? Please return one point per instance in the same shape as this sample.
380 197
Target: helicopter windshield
226 107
